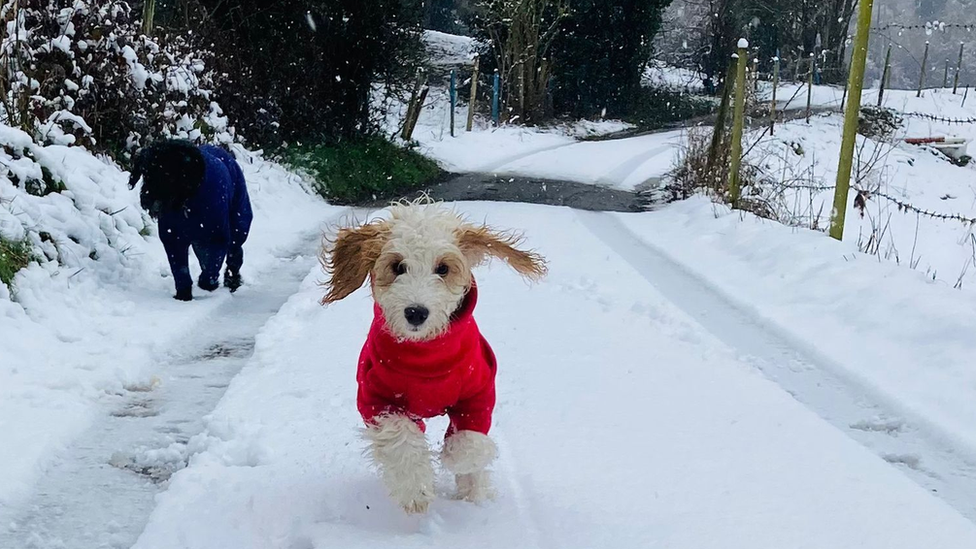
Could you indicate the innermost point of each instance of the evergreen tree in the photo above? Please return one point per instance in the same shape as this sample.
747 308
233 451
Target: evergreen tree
305 69
601 54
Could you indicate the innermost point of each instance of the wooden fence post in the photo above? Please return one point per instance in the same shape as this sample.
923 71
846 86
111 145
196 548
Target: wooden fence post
772 105
813 67
495 92
723 113
855 82
884 74
945 75
453 95
955 79
921 77
474 93
416 112
843 97
738 121
755 74
148 17
412 106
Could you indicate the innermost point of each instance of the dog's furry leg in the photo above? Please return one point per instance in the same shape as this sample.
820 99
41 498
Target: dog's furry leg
398 447
468 454
475 487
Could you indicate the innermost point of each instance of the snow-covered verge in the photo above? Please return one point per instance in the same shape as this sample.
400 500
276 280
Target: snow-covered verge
799 163
620 422
554 152
94 312
888 327
486 148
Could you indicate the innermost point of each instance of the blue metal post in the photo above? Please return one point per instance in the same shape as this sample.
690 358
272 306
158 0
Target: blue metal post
495 90
453 98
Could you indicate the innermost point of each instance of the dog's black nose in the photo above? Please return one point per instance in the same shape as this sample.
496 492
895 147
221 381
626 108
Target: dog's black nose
416 315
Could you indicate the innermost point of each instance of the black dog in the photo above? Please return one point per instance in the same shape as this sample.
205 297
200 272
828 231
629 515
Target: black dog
199 196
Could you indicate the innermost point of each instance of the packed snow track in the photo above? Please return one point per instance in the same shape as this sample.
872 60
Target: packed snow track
102 492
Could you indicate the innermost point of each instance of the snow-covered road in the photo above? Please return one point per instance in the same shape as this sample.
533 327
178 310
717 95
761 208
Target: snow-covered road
623 164
639 406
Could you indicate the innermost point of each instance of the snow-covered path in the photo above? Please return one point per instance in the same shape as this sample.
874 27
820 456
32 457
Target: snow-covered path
637 407
101 491
623 164
618 163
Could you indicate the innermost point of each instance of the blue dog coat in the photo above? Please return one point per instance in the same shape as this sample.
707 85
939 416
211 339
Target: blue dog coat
215 222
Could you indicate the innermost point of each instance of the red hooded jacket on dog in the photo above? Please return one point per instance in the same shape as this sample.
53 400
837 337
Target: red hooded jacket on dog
453 374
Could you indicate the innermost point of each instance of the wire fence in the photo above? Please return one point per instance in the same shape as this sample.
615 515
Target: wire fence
927 27
937 118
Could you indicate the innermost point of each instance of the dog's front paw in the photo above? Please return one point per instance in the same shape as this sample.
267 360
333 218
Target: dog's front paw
184 295
418 506
233 281
468 452
208 284
399 449
475 487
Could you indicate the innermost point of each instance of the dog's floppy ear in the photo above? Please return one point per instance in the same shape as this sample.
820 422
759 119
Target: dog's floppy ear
349 259
480 243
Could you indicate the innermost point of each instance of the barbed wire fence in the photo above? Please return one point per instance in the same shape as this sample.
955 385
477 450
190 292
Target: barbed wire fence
937 118
865 194
930 27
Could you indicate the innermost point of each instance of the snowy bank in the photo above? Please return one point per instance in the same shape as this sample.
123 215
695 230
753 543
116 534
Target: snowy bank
905 338
801 161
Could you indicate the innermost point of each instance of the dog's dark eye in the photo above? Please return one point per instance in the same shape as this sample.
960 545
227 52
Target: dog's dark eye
399 268
442 270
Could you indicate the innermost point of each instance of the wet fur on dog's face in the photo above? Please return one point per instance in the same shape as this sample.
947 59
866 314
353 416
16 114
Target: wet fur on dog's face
419 264
172 171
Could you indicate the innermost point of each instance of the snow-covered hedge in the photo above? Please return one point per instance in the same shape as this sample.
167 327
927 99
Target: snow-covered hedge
81 72
71 208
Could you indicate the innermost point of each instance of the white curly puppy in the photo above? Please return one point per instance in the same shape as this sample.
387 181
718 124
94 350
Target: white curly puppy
424 355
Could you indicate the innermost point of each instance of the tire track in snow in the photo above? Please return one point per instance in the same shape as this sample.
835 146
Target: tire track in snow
523 507
619 175
820 384
499 164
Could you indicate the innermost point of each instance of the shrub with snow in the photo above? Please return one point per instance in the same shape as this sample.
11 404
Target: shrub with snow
81 72
66 208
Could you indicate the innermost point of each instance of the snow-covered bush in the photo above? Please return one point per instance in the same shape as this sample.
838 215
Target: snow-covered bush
700 170
14 256
81 72
65 209
878 122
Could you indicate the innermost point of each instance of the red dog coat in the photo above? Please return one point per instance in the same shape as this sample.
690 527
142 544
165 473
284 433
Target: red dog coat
453 374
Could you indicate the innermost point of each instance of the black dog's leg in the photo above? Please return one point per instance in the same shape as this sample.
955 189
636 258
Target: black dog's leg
235 260
178 254
211 258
